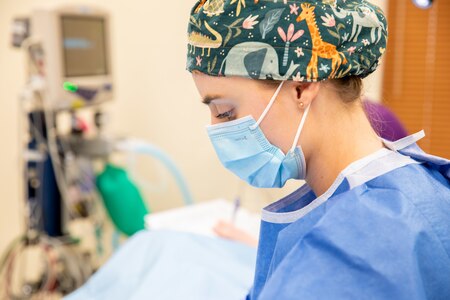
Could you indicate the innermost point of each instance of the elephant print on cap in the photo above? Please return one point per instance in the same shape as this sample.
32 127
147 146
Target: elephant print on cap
259 60
306 41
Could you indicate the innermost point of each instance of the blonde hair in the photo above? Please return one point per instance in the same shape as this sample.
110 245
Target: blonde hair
348 88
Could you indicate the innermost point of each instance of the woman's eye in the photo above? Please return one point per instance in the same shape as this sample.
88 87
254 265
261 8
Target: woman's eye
222 109
226 115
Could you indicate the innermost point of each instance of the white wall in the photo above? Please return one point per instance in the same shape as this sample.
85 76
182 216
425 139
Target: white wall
155 99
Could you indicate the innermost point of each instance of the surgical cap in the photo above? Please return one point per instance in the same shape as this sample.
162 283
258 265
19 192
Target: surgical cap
286 40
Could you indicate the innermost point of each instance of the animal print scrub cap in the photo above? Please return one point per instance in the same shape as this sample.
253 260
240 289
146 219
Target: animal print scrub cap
286 40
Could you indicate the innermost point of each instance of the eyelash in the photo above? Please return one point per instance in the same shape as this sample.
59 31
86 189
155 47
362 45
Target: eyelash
228 115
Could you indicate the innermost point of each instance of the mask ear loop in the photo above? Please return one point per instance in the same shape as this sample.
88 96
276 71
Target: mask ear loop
272 100
300 127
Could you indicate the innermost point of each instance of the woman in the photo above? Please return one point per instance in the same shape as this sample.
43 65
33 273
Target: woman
283 82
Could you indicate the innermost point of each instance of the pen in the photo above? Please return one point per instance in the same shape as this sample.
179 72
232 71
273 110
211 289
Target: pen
237 203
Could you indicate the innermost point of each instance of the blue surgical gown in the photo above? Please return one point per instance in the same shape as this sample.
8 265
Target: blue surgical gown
382 231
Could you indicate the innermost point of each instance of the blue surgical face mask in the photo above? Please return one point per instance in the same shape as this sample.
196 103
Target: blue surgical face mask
243 149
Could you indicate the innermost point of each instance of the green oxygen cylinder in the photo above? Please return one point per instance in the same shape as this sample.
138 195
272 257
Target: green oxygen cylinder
122 199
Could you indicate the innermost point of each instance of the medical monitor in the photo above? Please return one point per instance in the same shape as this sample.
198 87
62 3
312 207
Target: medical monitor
84 46
77 55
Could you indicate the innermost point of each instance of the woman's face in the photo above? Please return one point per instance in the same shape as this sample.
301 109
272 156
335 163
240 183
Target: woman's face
230 98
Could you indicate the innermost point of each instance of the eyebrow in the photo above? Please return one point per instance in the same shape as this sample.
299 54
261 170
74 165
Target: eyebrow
208 98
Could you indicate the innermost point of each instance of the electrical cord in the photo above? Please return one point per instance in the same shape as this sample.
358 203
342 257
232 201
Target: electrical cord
64 267
36 87
56 253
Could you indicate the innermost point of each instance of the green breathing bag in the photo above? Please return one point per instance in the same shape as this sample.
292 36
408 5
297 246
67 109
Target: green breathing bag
122 199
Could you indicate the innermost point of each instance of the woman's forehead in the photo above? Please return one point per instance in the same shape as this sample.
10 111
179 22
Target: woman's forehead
222 82
233 87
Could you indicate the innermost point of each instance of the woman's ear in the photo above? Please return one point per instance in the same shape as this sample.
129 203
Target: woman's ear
306 93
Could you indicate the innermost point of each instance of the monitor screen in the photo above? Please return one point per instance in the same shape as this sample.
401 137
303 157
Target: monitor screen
84 46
